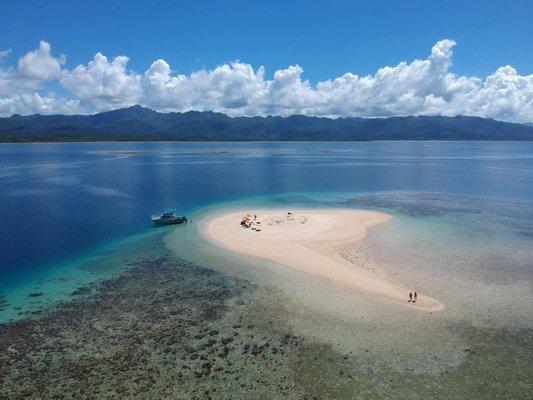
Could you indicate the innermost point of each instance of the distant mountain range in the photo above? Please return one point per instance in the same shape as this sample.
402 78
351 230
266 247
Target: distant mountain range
143 124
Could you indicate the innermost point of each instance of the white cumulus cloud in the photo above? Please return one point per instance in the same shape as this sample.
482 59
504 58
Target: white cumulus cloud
40 64
23 87
103 84
4 54
424 86
35 103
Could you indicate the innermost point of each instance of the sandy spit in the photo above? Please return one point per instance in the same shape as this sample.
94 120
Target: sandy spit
311 241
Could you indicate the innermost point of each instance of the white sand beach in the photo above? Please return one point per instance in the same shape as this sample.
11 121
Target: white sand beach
311 241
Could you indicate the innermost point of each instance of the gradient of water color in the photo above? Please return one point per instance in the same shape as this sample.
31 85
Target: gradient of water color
64 206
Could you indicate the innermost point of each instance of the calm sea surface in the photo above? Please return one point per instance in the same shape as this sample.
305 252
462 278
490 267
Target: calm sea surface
64 202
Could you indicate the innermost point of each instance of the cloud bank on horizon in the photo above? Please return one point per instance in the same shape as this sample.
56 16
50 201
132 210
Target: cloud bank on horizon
419 87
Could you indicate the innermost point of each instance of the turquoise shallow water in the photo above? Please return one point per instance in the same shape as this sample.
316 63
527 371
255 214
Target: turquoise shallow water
69 211
77 214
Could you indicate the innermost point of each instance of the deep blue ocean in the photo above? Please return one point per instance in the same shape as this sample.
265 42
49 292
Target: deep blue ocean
61 201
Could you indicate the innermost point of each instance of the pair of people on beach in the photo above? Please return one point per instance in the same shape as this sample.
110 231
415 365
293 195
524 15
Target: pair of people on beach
412 298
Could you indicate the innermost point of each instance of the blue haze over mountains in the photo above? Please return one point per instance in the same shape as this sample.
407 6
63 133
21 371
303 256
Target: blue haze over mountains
143 124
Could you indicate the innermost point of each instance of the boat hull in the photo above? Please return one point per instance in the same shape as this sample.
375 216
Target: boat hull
169 222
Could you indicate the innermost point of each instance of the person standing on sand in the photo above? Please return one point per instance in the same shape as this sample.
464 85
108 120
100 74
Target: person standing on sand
410 297
416 296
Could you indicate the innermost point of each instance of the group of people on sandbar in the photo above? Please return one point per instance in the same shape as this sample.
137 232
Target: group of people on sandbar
412 297
247 222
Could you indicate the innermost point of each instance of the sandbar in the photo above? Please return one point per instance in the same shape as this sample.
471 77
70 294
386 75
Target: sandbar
311 241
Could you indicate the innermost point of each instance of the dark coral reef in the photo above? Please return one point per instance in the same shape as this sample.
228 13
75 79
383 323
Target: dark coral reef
165 329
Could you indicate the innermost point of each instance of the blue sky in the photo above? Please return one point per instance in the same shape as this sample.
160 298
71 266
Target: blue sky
327 39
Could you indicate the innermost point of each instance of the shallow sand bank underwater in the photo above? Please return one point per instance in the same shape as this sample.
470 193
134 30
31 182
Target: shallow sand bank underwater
164 329
312 241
